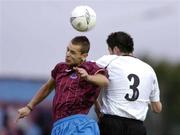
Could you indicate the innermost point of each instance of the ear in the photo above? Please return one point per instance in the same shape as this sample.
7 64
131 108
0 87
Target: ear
84 56
116 50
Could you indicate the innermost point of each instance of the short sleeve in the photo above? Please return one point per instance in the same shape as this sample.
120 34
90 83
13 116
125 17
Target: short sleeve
57 69
155 93
54 72
92 68
105 60
102 62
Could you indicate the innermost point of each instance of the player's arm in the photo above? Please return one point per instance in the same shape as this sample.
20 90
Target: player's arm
97 108
155 103
98 79
42 93
156 106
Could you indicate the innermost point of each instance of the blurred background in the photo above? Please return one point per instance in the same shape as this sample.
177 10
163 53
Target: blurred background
33 39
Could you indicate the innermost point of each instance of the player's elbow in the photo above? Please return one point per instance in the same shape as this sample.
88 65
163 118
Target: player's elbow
106 82
100 80
156 107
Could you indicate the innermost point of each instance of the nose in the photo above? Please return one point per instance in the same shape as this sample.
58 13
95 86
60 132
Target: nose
67 53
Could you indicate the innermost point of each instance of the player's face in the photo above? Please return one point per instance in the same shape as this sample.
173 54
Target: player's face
74 55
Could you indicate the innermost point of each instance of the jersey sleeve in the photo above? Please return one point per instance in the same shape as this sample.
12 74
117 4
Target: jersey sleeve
92 68
155 93
56 70
102 62
105 60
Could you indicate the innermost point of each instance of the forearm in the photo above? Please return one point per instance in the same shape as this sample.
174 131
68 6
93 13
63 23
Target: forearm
40 96
42 93
97 106
98 79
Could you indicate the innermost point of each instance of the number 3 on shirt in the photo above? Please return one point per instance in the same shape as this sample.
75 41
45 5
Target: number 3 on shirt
133 87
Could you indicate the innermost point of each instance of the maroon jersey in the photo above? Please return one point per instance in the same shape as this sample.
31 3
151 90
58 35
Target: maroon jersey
74 95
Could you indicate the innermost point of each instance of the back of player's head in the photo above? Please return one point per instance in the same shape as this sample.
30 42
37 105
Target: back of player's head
121 40
83 41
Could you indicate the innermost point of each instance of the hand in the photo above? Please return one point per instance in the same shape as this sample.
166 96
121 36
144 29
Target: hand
82 73
23 112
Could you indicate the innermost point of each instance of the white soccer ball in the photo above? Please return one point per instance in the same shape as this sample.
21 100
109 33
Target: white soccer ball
83 18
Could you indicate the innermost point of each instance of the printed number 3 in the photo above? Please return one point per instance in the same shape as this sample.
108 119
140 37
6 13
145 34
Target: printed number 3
133 87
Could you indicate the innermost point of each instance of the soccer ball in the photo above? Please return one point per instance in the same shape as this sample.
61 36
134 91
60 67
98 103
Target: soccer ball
83 18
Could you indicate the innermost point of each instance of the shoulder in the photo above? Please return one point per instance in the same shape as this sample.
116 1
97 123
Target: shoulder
105 60
60 66
148 68
106 57
89 65
92 67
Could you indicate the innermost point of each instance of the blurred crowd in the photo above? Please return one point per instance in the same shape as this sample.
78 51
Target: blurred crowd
38 123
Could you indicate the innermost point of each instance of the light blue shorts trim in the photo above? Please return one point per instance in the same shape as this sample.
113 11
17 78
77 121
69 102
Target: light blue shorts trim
78 124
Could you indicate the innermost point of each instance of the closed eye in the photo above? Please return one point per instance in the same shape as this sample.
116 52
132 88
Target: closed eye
71 51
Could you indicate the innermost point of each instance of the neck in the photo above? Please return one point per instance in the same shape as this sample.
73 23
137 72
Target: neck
81 62
127 54
124 54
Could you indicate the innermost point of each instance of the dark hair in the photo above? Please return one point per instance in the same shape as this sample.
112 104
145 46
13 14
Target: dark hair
122 40
83 42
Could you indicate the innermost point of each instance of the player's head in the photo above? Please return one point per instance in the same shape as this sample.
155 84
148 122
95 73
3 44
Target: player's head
77 50
120 43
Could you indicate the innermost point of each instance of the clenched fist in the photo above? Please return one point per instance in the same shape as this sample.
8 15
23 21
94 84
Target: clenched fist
23 112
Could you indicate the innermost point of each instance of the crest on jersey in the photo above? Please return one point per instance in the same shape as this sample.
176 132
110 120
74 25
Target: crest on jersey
73 76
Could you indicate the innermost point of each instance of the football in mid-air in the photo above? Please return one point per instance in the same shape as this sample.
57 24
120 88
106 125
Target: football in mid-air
83 18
